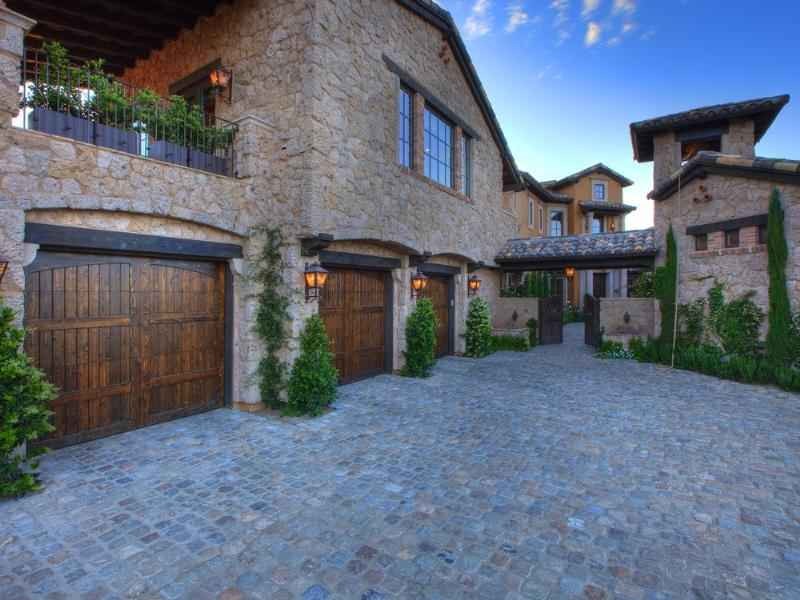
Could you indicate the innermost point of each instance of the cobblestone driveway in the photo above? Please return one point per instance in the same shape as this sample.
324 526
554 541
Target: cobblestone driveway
542 475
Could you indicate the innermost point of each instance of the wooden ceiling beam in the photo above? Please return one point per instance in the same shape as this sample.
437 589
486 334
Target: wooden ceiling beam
75 46
57 31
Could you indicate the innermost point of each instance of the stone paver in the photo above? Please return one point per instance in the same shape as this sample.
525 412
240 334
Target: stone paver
548 475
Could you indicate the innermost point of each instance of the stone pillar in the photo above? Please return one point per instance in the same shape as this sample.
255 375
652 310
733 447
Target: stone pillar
588 221
13 27
740 138
666 156
419 133
458 134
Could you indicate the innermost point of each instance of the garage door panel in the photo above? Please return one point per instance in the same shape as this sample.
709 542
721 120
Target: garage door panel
353 307
112 332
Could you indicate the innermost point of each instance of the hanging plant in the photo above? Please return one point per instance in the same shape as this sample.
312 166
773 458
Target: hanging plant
272 315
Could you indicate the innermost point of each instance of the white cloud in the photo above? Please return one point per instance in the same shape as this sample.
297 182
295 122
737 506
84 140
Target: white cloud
517 16
561 7
614 41
589 6
624 6
479 22
647 35
593 31
628 26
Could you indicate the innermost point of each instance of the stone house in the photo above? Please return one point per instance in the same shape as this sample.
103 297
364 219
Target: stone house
360 130
715 192
589 202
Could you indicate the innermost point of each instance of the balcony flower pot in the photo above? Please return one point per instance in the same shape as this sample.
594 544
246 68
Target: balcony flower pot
116 138
62 124
169 152
208 162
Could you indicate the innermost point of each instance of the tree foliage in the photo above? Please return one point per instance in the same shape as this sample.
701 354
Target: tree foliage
666 281
25 398
312 384
420 340
479 329
779 340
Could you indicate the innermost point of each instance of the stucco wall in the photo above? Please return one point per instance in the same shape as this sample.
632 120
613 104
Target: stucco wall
513 313
640 321
740 269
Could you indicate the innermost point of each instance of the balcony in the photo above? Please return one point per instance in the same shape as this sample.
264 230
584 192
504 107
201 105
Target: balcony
87 104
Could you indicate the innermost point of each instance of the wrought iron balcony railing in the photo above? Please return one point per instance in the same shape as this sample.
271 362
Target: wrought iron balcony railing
88 105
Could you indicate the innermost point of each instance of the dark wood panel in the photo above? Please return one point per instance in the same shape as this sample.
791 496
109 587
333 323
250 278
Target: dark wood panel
551 322
353 307
438 291
128 341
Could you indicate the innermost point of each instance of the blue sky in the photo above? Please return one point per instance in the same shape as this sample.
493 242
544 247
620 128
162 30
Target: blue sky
567 77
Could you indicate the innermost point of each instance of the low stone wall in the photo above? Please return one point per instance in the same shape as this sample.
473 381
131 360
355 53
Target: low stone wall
513 313
622 319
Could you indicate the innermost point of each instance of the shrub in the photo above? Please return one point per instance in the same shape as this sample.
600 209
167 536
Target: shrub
420 340
779 344
736 324
533 332
643 287
666 280
25 398
312 383
511 343
538 285
479 329
615 350
572 314
691 322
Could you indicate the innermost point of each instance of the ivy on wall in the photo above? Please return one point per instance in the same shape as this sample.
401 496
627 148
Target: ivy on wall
272 315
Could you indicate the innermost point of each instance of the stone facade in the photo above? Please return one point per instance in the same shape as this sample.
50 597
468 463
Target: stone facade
514 313
740 269
622 319
316 153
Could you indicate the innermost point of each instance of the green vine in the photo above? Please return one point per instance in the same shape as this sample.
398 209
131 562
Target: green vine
272 315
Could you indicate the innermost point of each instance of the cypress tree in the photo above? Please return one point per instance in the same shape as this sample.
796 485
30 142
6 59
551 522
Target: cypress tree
780 318
666 280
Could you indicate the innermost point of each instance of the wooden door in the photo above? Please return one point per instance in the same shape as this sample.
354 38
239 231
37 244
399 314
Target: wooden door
439 291
551 322
97 327
600 285
353 307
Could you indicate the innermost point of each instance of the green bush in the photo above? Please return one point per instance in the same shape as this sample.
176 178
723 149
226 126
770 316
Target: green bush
312 383
478 329
614 350
533 332
420 340
691 322
643 287
25 398
510 343
572 314
736 324
779 344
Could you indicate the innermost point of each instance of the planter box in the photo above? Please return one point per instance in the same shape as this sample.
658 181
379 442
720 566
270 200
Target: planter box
118 139
208 162
63 124
169 152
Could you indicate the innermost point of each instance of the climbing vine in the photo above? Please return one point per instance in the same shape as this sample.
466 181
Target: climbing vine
272 315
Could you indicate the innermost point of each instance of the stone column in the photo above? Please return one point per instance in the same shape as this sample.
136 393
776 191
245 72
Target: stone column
419 133
623 283
13 27
457 166
588 221
666 156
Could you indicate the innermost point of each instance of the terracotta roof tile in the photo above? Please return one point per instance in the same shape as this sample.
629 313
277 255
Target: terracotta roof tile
621 244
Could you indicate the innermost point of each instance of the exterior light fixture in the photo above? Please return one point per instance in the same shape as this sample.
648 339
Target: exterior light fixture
473 285
3 267
315 277
221 80
419 281
612 226
569 272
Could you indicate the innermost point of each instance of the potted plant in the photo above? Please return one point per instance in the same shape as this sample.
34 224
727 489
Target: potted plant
204 152
108 107
55 98
173 131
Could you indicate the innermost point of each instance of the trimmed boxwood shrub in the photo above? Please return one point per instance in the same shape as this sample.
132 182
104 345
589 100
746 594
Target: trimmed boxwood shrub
312 383
420 340
479 329
511 343
25 398
533 332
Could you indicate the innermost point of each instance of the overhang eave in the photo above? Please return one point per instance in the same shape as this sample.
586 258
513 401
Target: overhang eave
580 263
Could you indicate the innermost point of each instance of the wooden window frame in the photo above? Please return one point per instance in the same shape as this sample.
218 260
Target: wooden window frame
732 238
430 158
402 142
701 242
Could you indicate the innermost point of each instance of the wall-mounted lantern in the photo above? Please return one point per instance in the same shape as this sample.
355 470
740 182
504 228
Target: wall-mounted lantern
419 281
473 285
315 277
569 272
3 267
221 82
612 226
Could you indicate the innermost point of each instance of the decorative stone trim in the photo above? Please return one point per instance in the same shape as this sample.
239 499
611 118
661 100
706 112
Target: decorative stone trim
757 249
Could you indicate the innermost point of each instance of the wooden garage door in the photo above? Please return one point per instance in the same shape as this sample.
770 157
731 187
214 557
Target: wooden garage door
438 290
128 341
353 307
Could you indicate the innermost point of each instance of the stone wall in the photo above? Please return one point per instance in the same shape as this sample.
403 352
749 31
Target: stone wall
622 319
740 138
739 269
513 313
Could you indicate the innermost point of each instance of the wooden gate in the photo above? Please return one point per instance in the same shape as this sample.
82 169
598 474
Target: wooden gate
591 307
128 341
439 290
551 320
